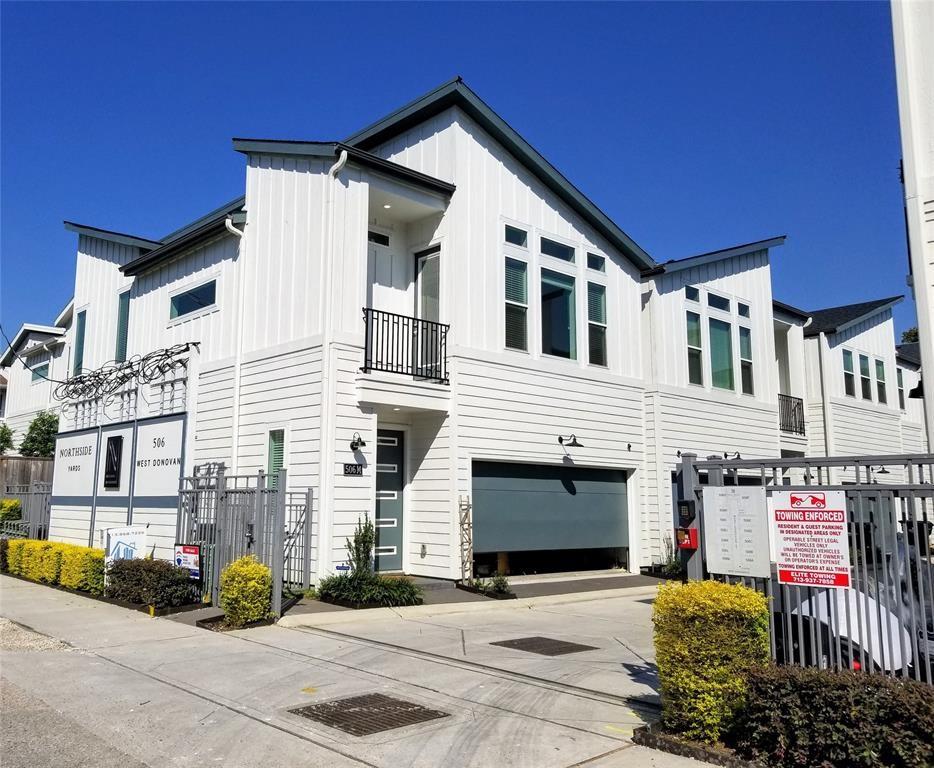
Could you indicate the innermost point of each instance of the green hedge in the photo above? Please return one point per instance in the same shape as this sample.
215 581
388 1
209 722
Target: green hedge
812 717
369 589
54 562
707 636
150 582
245 591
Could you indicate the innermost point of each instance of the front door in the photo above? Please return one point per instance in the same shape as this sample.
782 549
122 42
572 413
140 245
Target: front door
389 484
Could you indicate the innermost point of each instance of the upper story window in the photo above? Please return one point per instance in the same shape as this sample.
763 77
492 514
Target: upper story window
718 302
123 326
193 300
378 238
516 236
742 309
557 250
901 388
695 349
745 361
849 374
40 372
881 395
78 360
865 382
691 293
517 305
721 354
596 261
559 316
596 323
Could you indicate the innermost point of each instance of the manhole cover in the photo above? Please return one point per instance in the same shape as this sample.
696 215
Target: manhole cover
372 713
545 646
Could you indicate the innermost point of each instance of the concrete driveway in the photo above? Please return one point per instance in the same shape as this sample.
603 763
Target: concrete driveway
131 690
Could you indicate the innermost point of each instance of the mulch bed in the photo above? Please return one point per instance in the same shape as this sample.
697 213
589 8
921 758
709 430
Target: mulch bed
654 737
487 593
219 624
363 606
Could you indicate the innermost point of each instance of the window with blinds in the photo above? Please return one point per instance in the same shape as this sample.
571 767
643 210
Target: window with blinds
276 458
596 323
78 362
695 349
123 323
517 305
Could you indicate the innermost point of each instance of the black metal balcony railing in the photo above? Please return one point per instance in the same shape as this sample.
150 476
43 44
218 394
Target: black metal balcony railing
791 414
407 345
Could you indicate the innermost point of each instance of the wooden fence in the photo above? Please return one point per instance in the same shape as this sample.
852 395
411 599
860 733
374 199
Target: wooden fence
23 470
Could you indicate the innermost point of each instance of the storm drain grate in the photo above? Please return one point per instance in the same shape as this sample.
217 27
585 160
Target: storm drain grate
545 646
372 713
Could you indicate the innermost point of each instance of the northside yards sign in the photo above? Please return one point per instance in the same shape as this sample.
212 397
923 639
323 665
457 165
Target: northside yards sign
810 538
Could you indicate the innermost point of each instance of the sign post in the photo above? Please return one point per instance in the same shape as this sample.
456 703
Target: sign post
810 533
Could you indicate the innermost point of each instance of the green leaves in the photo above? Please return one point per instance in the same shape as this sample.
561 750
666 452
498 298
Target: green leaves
246 591
368 589
40 437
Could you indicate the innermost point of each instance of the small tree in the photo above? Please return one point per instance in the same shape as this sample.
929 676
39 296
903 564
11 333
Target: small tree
360 548
910 336
6 438
40 437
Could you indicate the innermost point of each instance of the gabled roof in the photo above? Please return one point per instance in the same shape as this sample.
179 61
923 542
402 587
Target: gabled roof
22 333
456 93
909 353
700 259
790 310
115 237
836 319
64 317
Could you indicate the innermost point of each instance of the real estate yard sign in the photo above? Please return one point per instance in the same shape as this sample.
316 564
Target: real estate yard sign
127 543
810 534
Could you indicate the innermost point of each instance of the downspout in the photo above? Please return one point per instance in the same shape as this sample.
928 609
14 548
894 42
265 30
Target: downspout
325 470
825 402
238 353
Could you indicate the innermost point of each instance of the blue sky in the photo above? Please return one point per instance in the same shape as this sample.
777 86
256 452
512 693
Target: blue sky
694 126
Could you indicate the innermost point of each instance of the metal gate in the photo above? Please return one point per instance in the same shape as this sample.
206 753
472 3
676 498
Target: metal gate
36 505
230 516
884 622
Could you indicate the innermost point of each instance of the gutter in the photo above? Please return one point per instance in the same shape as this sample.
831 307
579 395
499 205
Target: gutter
238 355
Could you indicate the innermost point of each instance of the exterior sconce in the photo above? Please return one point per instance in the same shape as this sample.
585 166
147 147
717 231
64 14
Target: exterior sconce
357 442
882 471
569 442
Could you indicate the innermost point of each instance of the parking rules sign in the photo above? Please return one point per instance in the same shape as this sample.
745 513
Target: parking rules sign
810 534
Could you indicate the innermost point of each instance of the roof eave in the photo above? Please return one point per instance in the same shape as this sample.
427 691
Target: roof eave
115 237
713 256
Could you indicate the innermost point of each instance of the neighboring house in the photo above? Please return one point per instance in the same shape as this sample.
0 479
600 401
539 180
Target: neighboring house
424 316
37 354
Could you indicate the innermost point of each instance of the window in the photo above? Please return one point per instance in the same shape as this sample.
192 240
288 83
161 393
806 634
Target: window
864 380
596 323
849 376
78 362
901 388
193 300
745 360
517 305
516 236
113 461
742 309
718 302
559 323
695 353
558 250
377 237
123 323
596 261
40 372
721 354
276 457
691 293
881 395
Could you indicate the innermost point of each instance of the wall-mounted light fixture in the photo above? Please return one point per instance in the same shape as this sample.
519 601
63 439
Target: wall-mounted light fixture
569 442
357 442
882 471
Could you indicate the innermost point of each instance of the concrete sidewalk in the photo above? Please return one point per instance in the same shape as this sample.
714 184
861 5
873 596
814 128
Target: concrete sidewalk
138 691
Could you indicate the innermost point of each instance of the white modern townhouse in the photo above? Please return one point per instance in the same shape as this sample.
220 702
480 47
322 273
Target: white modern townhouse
36 356
425 323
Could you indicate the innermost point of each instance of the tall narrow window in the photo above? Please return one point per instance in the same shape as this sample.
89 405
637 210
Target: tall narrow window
721 354
901 388
881 395
849 375
78 361
596 323
517 305
745 360
559 321
695 351
276 458
865 382
123 325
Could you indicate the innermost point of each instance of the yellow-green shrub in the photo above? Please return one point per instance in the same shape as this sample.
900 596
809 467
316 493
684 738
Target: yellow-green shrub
48 562
82 569
707 637
54 562
246 591
11 509
14 556
32 559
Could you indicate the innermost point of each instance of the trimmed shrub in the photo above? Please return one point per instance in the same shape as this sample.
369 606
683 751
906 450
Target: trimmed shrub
365 589
48 562
14 556
4 548
10 509
245 591
32 559
149 582
815 717
82 569
707 636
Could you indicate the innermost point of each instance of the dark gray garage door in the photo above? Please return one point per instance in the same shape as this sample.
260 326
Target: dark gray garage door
523 507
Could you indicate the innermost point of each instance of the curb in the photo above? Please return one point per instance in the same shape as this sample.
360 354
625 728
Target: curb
445 609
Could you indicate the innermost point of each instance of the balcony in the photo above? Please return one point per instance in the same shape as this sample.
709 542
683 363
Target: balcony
405 345
791 414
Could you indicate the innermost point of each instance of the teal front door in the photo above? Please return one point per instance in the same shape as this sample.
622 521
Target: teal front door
389 484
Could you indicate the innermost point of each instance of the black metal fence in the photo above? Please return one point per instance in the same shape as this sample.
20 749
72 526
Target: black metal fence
791 414
407 345
884 621
35 501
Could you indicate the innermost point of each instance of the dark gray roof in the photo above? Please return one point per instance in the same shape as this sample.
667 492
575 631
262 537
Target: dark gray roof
836 319
790 310
456 93
910 353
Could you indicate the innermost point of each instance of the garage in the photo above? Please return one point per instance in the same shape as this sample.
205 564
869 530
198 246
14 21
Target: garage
545 517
